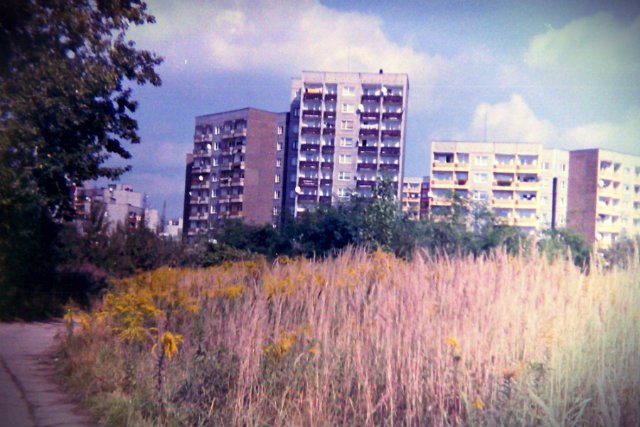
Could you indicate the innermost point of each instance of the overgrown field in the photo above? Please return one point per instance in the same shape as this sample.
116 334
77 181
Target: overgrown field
364 339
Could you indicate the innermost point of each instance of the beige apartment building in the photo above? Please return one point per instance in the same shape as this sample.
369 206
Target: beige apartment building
604 195
347 130
524 184
411 196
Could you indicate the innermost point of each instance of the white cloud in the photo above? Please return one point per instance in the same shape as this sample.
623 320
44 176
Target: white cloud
594 47
283 37
512 120
621 136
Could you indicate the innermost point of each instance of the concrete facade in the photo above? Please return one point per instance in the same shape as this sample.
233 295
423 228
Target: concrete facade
347 130
524 184
411 196
604 195
236 170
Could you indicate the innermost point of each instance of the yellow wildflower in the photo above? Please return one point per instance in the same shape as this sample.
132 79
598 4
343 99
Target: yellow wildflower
478 403
170 343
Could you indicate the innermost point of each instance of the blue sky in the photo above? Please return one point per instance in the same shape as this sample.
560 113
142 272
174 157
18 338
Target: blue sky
563 73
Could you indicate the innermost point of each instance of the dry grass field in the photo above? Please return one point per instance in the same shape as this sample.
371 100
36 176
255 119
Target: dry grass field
363 340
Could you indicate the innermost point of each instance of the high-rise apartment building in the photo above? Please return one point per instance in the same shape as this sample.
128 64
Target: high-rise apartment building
523 183
347 130
236 170
604 195
411 196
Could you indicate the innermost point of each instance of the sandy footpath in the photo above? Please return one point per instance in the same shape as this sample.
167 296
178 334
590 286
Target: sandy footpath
29 393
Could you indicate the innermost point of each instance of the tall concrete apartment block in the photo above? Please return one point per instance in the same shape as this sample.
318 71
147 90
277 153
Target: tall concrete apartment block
347 129
411 196
604 195
236 170
523 183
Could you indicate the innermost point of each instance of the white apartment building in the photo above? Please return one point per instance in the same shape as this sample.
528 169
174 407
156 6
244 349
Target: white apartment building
347 130
523 183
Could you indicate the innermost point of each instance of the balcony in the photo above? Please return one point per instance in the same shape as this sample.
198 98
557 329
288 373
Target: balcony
329 130
365 183
330 114
202 153
504 167
461 182
370 98
503 203
370 115
225 182
503 183
198 216
393 98
440 183
389 167
367 132
533 167
391 132
328 149
331 96
391 116
367 166
608 173
368 150
199 200
533 185
312 95
236 214
327 166
310 147
308 182
226 166
325 200
310 130
444 166
390 151
527 203
462 166
309 164
200 184
526 222
326 182
311 113
236 198
237 182
240 132
307 198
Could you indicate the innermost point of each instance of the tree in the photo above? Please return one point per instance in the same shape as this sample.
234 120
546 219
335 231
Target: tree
65 107
378 216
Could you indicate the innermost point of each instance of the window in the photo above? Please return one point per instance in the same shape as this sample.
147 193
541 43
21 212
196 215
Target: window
482 160
343 192
280 130
276 194
346 125
217 130
480 177
545 166
215 161
277 179
345 159
345 176
216 145
214 193
348 108
480 195
214 177
276 211
346 142
348 90
278 163
213 209
296 112
279 146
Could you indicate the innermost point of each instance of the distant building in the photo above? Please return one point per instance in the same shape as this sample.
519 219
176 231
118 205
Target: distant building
523 183
173 229
236 170
604 195
347 130
425 189
411 196
122 207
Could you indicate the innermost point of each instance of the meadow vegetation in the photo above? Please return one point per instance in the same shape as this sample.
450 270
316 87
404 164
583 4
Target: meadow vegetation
364 338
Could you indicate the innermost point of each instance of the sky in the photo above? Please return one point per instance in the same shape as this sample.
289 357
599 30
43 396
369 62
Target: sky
566 74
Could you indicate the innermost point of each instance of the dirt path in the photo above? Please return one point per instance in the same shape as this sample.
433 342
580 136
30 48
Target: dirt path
29 393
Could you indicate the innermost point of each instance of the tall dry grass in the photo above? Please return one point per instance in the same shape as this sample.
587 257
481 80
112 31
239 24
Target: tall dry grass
366 340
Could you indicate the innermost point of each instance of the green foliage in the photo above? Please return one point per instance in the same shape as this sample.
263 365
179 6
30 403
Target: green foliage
65 108
566 243
622 253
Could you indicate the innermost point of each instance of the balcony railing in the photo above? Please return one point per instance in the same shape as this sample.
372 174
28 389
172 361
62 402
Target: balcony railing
328 149
307 197
393 98
308 182
362 183
309 147
200 184
325 200
370 98
309 164
199 200
370 115
367 166
330 114
389 167
366 132
310 130
312 95
390 151
329 131
326 181
444 165
237 198
311 113
391 132
502 183
327 165
367 150
392 116
330 96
